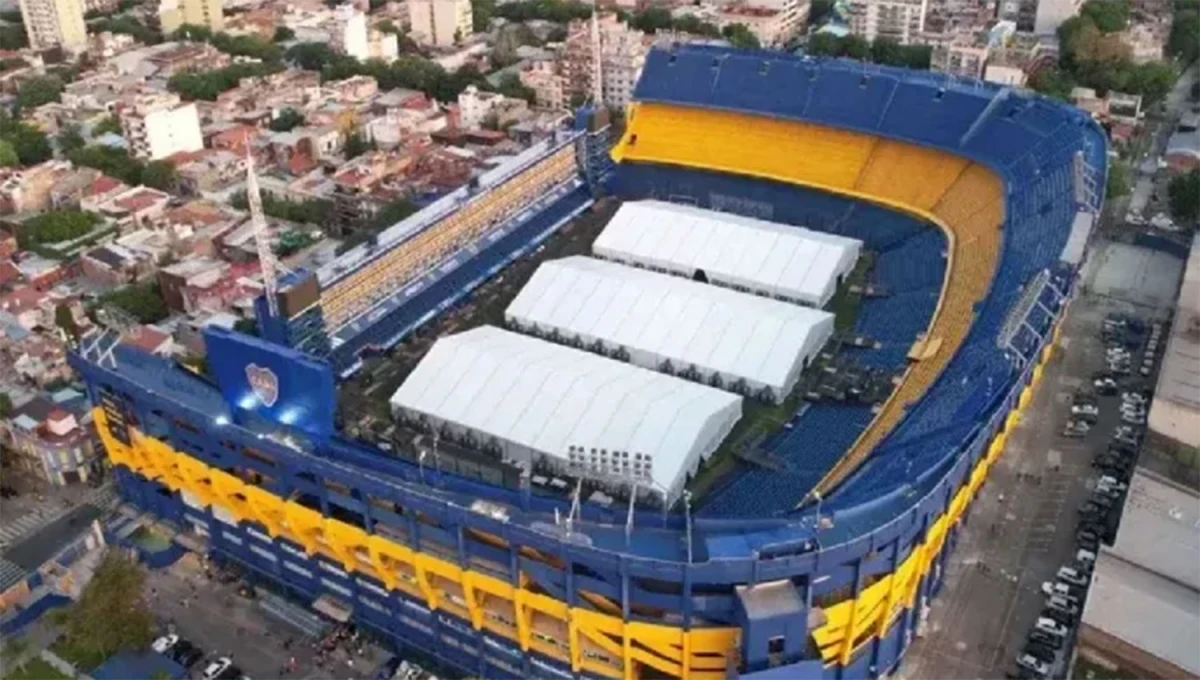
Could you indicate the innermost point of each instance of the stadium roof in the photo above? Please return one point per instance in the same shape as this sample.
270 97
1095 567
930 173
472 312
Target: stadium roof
1146 588
549 398
659 317
779 260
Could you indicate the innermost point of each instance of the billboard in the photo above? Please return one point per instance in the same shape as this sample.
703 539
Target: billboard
273 381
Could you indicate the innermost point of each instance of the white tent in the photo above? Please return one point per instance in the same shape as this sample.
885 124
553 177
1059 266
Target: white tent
584 413
781 261
659 318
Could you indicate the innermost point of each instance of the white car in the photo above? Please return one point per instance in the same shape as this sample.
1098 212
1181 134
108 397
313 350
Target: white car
1050 626
1031 663
216 668
163 644
1054 589
1072 576
1085 410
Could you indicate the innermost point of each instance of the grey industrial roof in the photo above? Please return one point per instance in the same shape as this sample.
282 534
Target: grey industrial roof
1146 587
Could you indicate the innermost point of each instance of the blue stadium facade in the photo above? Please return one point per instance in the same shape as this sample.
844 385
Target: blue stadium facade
752 586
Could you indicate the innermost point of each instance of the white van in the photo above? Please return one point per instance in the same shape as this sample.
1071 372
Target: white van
1050 626
1086 557
1072 576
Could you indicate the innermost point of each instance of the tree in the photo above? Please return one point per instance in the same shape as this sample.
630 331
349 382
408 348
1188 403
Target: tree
740 36
1153 80
1184 40
818 10
207 85
70 138
8 155
6 405
110 615
355 145
64 319
1184 196
13 37
1119 180
1053 82
287 119
392 213
824 45
283 34
160 175
482 12
111 161
39 90
56 226
511 86
310 56
1109 16
106 125
143 301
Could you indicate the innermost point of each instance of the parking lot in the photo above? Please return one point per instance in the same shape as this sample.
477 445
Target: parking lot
1022 528
214 617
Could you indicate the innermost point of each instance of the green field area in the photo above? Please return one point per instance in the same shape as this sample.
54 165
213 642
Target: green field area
1089 670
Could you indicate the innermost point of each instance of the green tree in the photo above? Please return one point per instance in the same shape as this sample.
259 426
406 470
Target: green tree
1053 82
1183 194
1153 80
64 319
8 155
128 25
6 405
70 138
283 34
310 56
1109 16
392 213
56 226
143 301
1184 40
355 145
1120 180
287 119
207 85
818 11
13 38
161 175
110 615
112 162
511 86
482 12
824 45
39 90
740 36
106 125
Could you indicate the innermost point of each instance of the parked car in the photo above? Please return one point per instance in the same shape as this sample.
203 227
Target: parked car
1041 652
217 668
1034 664
164 644
1050 626
1061 617
1072 576
1042 638
186 654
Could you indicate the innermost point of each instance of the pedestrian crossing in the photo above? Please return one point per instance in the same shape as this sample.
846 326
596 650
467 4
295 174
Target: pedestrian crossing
10 573
103 498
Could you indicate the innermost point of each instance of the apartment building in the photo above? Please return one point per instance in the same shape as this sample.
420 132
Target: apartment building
174 13
159 124
55 23
773 22
351 35
622 55
550 88
965 55
899 20
441 23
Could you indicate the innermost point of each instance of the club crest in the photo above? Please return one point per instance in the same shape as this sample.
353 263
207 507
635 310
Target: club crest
264 382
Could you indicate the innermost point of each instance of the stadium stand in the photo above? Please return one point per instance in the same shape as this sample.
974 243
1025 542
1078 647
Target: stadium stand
488 577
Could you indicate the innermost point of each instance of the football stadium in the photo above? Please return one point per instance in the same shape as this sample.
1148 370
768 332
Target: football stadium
737 438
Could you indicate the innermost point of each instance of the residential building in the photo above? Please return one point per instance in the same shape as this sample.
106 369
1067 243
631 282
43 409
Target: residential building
174 13
477 109
53 439
550 88
1146 41
773 23
1052 13
28 189
159 124
1175 408
440 22
965 56
622 55
55 23
115 265
899 20
351 35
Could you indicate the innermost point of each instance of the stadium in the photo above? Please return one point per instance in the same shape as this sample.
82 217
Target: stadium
957 213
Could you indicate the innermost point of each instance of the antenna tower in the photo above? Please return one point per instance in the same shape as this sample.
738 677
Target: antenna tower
266 257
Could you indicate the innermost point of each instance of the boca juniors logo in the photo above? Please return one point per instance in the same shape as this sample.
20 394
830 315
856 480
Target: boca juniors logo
264 382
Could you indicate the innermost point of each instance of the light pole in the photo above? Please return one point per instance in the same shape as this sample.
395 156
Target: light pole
687 519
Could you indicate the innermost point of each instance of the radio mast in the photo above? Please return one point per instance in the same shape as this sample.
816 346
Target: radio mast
266 257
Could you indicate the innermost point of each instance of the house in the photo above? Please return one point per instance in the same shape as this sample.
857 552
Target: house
29 306
134 207
150 339
114 265
53 438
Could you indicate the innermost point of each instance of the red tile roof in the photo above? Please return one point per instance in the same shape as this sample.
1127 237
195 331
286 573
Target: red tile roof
147 338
